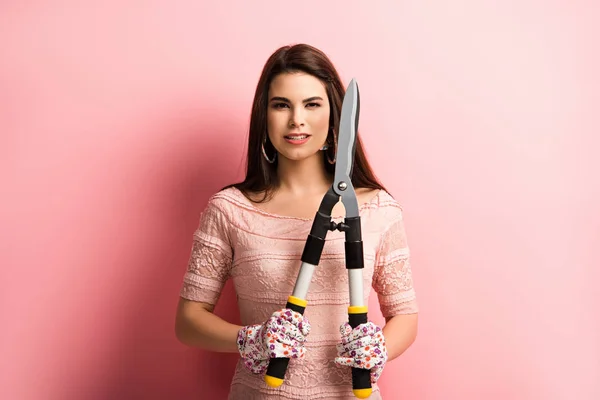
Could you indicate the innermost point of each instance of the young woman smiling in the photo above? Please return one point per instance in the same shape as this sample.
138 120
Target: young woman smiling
254 231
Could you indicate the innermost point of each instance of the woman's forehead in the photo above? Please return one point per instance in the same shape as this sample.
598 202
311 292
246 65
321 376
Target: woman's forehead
296 85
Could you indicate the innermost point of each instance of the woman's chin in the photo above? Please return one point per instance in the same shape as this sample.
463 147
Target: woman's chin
301 156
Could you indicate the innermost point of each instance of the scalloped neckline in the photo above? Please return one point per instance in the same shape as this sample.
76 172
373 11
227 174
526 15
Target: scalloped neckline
249 204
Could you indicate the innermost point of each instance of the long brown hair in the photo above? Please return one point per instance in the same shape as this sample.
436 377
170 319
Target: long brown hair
261 176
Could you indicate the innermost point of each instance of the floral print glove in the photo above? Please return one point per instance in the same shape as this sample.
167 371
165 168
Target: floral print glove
362 347
282 335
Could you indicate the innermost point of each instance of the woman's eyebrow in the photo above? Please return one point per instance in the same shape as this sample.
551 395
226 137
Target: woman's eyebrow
279 98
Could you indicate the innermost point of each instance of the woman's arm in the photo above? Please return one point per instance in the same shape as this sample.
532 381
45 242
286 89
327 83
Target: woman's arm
400 331
197 326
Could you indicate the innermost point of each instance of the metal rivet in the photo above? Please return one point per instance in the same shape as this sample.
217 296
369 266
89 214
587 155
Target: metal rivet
342 186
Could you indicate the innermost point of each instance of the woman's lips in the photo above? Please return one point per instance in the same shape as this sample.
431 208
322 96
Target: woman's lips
298 139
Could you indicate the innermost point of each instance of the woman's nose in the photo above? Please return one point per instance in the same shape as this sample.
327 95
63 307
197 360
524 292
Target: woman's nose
297 118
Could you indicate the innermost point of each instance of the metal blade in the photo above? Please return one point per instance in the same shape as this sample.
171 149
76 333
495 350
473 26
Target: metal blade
347 131
346 145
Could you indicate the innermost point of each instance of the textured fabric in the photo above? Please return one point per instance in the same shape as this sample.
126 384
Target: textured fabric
261 252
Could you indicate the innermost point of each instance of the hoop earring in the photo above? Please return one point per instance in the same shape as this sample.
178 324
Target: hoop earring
334 146
270 161
329 160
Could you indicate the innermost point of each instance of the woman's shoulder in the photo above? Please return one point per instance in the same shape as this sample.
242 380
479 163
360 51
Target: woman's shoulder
378 199
227 200
235 203
383 208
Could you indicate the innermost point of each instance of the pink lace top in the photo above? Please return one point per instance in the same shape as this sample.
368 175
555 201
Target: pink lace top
261 253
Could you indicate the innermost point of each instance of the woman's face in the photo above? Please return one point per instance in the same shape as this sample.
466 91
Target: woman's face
297 115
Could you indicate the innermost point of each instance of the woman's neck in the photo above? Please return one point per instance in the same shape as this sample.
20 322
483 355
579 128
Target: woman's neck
303 177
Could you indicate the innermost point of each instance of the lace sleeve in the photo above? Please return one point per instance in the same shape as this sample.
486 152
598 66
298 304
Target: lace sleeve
392 278
210 260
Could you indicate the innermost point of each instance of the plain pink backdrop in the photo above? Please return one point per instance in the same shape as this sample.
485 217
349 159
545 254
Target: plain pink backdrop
119 119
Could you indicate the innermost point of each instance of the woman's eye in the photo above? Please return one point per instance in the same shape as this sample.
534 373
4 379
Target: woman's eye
285 105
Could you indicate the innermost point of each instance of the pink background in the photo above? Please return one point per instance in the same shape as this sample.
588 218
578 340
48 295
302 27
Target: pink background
119 119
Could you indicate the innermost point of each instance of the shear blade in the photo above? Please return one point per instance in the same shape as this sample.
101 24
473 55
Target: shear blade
347 131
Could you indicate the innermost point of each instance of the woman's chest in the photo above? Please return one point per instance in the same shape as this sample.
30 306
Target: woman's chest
268 265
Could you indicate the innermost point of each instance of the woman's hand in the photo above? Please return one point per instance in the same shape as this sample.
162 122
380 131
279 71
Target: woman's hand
282 335
362 347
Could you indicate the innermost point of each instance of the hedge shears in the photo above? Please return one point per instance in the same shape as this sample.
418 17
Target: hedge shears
340 189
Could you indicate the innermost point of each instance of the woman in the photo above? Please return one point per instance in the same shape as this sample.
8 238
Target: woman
254 232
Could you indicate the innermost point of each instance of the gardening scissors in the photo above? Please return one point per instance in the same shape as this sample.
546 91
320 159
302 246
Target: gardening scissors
341 188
